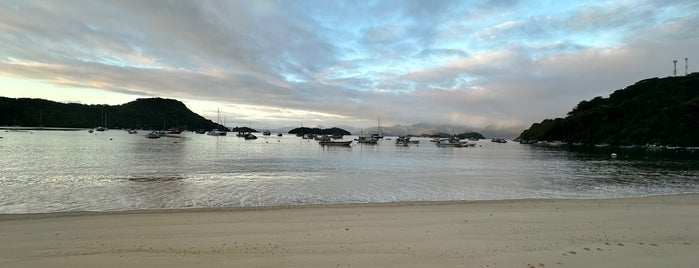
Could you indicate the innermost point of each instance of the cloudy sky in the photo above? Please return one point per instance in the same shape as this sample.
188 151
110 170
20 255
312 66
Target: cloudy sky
496 64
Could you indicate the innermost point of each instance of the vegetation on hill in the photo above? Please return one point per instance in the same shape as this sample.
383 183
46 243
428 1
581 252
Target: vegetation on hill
466 135
325 131
662 111
151 113
244 129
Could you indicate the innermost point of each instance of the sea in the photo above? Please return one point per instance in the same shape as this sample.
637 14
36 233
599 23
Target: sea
64 171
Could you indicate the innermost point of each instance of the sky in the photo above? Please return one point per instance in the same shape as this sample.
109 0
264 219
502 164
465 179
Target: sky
483 64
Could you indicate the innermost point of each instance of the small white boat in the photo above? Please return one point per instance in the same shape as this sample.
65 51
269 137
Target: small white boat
454 142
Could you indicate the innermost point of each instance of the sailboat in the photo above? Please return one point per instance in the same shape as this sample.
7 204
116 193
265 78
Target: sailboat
104 122
378 135
216 131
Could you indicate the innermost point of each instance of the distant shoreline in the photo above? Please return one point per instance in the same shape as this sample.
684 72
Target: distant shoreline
41 128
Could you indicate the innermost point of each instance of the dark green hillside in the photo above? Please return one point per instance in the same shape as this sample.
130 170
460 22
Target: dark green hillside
662 111
152 113
318 131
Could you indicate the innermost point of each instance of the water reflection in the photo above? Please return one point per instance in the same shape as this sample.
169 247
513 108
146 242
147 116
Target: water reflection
116 171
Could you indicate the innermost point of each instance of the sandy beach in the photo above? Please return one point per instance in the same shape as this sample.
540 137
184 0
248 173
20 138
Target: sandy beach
658 231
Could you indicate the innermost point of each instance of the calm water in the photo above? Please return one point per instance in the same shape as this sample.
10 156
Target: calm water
49 171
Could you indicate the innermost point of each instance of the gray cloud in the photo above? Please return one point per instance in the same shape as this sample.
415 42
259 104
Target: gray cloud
350 60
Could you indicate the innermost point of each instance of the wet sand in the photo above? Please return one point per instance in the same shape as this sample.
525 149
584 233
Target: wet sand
658 231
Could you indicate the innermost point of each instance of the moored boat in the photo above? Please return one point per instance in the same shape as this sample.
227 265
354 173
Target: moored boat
216 132
405 141
153 135
454 142
326 141
367 139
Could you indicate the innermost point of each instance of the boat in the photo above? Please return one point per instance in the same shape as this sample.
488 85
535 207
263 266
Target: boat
90 130
279 135
367 139
101 128
326 141
250 136
216 132
153 135
132 131
405 141
174 131
499 140
378 135
453 142
266 133
199 131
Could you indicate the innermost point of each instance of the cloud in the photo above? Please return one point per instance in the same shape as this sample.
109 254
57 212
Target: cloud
482 63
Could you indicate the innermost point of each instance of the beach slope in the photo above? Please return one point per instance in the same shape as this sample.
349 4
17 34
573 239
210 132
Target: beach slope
658 231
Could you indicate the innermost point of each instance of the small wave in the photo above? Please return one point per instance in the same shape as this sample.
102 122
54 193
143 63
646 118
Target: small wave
155 178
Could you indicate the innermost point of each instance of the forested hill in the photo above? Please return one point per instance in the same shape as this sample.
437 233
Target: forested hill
151 113
662 111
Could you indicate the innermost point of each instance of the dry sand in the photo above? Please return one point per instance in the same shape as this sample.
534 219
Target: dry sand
659 231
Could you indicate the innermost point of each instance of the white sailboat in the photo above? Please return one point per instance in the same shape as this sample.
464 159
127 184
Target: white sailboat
216 131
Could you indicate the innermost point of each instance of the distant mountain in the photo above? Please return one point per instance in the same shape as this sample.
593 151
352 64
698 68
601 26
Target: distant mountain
663 111
150 113
424 129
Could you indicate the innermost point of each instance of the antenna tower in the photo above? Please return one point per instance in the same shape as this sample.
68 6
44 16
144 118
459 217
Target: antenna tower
686 64
674 71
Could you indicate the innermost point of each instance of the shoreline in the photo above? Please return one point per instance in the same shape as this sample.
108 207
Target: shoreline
653 231
32 215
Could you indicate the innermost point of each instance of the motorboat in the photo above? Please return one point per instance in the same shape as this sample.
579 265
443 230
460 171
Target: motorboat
454 142
326 141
